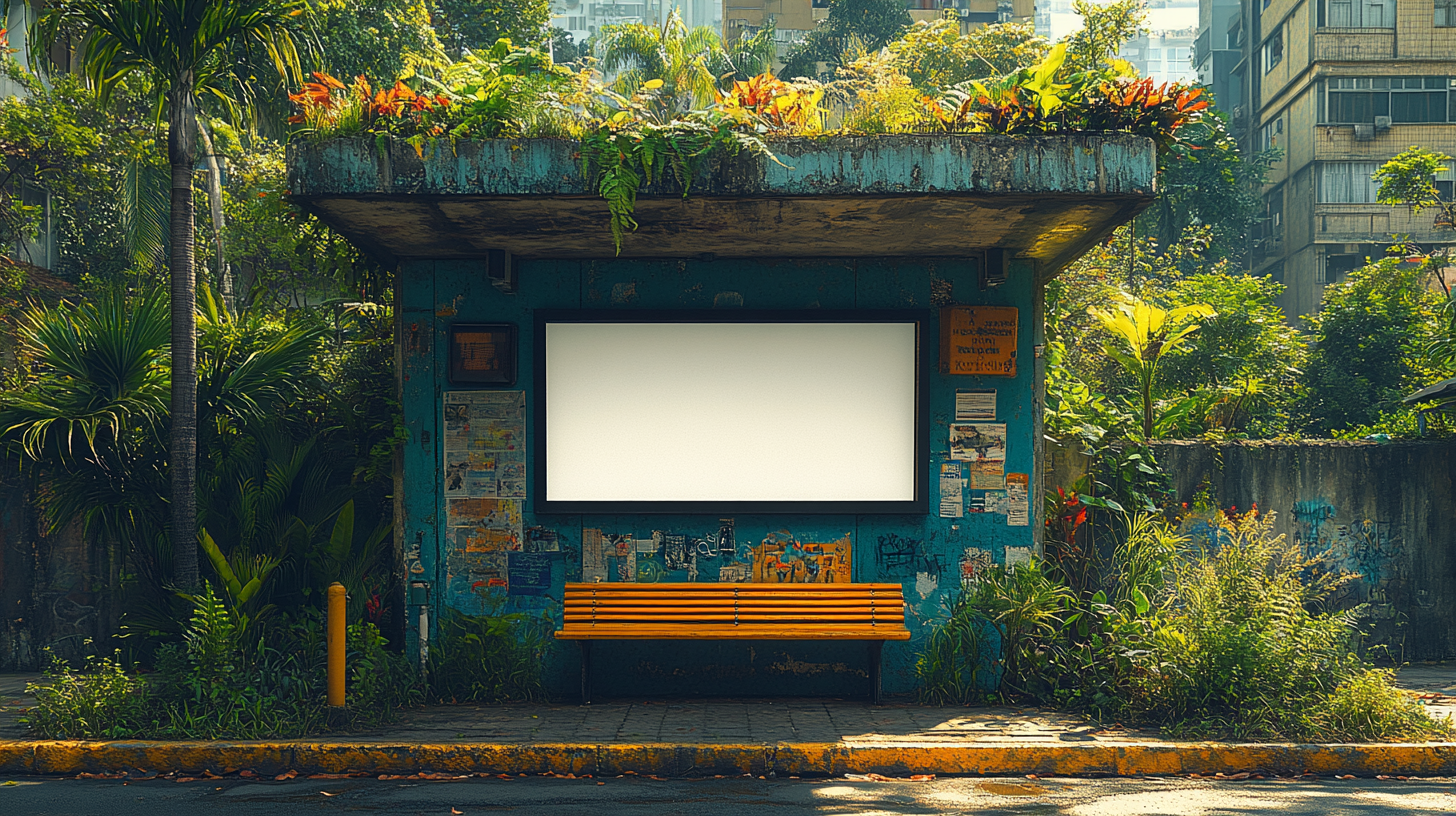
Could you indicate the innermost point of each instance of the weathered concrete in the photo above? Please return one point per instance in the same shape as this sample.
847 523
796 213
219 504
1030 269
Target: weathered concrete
57 590
673 759
901 222
1047 198
1385 511
733 737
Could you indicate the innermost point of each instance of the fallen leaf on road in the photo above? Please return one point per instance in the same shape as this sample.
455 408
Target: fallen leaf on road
328 776
326 793
285 775
456 812
1344 776
922 777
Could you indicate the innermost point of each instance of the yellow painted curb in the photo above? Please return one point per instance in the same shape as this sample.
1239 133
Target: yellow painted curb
688 759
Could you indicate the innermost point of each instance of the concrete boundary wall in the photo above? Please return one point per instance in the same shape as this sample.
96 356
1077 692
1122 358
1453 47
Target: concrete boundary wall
1385 510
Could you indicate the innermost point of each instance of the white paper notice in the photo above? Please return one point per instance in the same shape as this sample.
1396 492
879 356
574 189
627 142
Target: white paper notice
952 496
1018 555
593 556
1017 507
977 404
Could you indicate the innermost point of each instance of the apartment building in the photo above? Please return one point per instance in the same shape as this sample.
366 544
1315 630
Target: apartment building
40 251
1340 86
793 19
1164 52
1166 55
584 18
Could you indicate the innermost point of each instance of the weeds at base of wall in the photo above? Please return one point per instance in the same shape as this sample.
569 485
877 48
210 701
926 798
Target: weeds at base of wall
491 658
267 680
1223 642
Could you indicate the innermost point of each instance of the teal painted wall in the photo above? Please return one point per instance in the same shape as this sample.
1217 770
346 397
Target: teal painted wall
925 553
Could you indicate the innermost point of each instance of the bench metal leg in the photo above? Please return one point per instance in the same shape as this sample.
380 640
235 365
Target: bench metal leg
585 671
875 646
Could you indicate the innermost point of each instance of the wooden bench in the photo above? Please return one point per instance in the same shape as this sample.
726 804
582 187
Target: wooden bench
873 613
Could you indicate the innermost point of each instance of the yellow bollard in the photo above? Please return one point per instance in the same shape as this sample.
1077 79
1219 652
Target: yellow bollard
336 644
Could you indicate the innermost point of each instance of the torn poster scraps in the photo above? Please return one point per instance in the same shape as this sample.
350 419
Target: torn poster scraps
952 498
975 404
978 442
1017 507
485 444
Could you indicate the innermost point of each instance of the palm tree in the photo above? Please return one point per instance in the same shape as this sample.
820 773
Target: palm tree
186 48
690 61
1141 335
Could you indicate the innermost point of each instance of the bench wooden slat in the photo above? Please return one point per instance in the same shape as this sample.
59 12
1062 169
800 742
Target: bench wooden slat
730 632
729 587
731 603
723 597
730 617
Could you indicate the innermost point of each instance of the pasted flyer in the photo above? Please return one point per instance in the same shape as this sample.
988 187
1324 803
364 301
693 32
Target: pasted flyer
485 444
952 497
978 442
1017 506
593 556
975 404
528 573
484 525
987 475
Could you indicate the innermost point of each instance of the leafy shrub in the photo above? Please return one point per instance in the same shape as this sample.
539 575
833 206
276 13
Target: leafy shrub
1239 647
1227 642
225 681
488 658
955 668
99 701
1367 705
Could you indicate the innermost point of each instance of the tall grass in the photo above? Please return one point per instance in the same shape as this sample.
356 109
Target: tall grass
1230 640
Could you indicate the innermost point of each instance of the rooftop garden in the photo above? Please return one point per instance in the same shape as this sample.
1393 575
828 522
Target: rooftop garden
671 106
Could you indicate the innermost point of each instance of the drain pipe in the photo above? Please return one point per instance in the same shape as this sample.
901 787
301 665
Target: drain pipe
419 596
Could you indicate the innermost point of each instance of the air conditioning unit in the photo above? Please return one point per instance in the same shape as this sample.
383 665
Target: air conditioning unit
1382 123
1364 133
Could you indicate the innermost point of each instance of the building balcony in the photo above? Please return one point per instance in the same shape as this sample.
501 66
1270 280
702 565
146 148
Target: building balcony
1354 44
1354 223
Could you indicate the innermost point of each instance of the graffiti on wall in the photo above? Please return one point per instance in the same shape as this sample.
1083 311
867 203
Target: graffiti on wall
899 556
1369 548
716 555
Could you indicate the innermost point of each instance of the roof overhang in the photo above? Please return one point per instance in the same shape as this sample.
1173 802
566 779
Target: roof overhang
1044 198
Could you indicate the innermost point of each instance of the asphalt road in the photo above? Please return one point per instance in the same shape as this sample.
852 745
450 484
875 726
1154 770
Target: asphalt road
29 796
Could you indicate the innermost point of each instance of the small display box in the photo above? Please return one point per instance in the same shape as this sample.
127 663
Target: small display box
483 354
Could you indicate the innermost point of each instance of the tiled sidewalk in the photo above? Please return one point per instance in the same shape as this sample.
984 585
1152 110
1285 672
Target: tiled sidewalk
753 721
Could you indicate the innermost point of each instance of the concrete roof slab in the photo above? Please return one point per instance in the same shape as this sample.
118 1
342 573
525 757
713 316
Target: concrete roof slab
1046 198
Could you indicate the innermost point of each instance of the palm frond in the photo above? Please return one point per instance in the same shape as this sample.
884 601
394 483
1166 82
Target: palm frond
142 196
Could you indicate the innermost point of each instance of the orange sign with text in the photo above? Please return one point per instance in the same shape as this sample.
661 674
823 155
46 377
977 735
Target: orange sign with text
978 340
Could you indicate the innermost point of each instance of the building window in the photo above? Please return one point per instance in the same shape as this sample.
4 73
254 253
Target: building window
1335 268
1445 13
1358 13
1269 134
1273 52
1406 100
1347 182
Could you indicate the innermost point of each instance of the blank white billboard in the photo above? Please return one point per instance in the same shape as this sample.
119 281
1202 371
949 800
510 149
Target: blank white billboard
730 412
